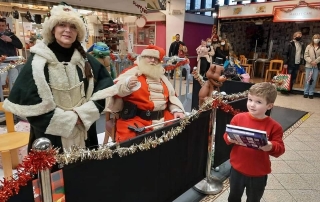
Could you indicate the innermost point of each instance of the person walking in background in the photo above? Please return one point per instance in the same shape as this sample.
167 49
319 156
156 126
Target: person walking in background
9 41
293 58
223 50
56 86
174 50
312 58
250 167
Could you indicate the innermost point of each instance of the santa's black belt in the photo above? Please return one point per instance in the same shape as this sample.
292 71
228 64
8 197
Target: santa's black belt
131 110
149 115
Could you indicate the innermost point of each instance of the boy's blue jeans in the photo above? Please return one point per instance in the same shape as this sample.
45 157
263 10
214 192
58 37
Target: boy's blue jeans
255 187
309 89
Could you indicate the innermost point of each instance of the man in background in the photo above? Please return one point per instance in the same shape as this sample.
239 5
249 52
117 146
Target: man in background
293 58
174 49
9 42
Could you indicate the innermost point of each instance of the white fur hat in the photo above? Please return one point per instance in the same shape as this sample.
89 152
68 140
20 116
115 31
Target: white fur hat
62 13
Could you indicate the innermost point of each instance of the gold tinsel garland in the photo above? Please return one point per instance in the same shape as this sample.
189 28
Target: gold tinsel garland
105 152
12 65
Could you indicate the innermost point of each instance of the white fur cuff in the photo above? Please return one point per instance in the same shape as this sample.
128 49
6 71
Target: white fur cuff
62 123
88 113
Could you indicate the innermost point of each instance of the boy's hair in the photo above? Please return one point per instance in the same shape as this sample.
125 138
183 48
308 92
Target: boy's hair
266 90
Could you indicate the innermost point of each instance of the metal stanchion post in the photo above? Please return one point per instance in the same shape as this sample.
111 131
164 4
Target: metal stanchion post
43 144
210 185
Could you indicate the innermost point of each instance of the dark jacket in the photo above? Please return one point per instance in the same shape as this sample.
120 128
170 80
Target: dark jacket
9 48
290 53
221 54
174 48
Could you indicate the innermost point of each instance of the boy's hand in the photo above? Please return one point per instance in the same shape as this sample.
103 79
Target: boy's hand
231 140
267 147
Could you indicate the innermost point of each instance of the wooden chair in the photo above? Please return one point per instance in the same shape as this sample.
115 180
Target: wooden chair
275 66
10 142
248 67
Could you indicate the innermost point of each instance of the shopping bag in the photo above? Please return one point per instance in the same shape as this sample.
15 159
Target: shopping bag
282 80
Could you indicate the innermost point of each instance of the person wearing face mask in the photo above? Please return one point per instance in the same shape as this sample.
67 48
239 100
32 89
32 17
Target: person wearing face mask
223 50
211 49
312 58
293 58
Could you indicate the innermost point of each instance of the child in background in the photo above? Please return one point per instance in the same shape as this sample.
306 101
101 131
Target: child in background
250 167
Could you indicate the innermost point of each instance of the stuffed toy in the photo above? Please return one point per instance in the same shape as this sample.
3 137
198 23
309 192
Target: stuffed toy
101 52
215 79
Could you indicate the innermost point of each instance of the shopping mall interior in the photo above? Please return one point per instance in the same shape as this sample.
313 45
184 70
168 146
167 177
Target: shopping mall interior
186 160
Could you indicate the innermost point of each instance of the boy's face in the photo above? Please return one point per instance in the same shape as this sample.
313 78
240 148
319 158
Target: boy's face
258 106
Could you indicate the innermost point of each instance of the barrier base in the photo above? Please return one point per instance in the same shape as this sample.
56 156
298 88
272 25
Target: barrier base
209 186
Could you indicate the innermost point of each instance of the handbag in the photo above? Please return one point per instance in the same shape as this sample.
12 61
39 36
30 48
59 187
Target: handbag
282 80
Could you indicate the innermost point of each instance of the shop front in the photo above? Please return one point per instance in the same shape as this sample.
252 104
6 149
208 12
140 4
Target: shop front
261 31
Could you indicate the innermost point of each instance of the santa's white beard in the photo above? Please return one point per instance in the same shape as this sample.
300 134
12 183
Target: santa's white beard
152 71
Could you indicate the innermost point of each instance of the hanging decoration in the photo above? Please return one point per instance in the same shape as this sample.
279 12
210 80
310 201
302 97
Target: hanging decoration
131 57
142 9
299 5
113 57
34 162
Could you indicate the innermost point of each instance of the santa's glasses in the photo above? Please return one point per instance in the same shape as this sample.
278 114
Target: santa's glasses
150 58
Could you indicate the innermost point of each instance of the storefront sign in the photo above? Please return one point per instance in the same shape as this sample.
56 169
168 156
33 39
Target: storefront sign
288 14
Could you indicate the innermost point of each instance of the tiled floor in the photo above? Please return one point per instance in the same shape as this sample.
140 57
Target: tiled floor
296 174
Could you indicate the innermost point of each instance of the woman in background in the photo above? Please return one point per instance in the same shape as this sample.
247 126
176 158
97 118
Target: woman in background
223 50
312 57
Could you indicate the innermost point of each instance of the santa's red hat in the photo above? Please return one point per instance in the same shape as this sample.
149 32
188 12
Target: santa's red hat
153 51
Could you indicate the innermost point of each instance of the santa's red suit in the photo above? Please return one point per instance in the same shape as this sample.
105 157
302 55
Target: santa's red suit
155 99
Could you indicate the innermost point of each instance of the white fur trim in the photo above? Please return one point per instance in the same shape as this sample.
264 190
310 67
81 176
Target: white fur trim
60 14
62 123
150 52
88 113
44 92
105 93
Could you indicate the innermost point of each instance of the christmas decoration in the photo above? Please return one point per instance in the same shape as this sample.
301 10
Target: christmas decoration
179 64
34 162
113 57
142 9
299 5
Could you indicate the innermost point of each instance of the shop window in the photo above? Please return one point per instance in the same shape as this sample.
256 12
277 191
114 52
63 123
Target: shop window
208 5
197 4
246 2
188 2
144 35
259 1
232 2
220 2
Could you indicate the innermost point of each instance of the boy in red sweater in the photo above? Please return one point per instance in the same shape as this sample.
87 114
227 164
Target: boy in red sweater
250 167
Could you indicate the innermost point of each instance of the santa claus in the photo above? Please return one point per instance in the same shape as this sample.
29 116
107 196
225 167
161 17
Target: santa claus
147 95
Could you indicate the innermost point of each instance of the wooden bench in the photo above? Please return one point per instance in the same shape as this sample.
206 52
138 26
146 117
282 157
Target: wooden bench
10 143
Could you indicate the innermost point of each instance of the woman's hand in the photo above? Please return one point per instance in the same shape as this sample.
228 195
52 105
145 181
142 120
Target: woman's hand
313 63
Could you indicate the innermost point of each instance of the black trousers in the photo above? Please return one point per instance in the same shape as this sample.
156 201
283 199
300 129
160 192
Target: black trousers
293 70
255 187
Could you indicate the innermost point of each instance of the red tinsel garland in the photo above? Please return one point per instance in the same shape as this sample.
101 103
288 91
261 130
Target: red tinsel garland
132 59
217 103
113 57
31 164
172 67
142 9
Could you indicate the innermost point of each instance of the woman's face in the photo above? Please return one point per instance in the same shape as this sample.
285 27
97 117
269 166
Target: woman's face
65 34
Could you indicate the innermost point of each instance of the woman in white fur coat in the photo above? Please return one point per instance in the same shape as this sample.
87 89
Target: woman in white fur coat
55 89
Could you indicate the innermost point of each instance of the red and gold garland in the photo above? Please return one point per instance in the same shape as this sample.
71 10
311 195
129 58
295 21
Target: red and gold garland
113 57
35 161
179 64
142 9
132 59
218 103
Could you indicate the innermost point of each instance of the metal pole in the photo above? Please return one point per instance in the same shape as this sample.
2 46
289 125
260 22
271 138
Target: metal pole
44 144
210 185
